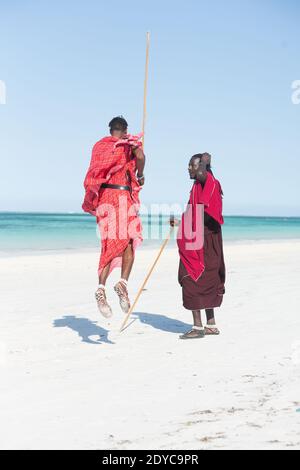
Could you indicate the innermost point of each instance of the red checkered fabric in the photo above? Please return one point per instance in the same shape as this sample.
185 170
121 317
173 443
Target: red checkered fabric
116 210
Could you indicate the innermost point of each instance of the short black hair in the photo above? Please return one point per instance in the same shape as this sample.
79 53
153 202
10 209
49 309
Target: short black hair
118 124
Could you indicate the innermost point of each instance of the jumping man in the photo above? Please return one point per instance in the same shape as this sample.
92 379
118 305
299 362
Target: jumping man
112 185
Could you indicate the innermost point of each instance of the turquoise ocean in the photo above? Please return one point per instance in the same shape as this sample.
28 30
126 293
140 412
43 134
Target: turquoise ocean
40 232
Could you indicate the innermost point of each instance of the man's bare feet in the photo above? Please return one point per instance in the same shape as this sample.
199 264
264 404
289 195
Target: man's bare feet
103 306
121 290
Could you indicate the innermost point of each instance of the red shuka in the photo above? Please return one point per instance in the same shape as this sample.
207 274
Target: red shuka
211 197
116 210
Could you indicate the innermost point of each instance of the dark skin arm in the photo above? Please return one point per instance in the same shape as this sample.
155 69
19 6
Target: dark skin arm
202 172
140 164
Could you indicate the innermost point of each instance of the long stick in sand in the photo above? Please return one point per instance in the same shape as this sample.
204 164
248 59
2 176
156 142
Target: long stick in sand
143 130
146 280
172 228
146 86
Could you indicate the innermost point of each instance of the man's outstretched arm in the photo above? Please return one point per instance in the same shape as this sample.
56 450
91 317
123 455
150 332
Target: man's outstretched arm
140 164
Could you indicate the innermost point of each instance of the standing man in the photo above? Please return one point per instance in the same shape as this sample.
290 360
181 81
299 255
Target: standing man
112 184
202 269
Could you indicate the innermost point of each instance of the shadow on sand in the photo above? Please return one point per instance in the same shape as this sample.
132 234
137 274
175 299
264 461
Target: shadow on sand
85 329
161 322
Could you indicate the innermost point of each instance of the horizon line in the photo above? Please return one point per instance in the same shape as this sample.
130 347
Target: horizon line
157 214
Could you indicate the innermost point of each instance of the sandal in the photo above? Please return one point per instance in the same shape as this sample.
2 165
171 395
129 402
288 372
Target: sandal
103 305
195 332
211 330
122 292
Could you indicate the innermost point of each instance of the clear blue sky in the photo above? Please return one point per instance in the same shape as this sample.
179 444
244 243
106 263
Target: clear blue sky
220 81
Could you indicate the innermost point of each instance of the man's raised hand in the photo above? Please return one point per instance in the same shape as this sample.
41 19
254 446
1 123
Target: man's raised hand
206 158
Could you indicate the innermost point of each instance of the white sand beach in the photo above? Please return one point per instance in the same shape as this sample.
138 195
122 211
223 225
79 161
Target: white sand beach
69 380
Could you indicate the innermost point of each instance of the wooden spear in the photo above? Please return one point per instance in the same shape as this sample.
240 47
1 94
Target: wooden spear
146 86
146 279
172 228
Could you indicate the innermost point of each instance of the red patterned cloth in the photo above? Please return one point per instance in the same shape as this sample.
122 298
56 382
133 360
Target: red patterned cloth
116 210
189 232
